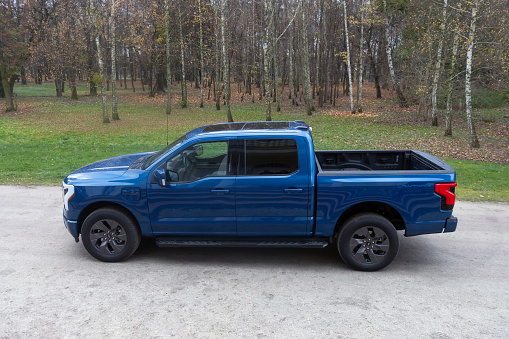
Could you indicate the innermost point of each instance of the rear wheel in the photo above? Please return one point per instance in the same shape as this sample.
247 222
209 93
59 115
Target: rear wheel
368 242
110 235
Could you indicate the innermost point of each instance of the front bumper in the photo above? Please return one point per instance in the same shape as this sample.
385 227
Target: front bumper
450 224
72 227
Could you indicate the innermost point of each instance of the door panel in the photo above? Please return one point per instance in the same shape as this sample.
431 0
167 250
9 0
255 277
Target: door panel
202 200
272 189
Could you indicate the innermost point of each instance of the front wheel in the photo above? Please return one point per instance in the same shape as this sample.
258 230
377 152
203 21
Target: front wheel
110 235
368 242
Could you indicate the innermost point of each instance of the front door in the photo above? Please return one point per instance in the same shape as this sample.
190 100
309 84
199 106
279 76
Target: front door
201 199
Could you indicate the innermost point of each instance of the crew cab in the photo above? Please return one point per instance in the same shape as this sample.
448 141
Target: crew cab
260 184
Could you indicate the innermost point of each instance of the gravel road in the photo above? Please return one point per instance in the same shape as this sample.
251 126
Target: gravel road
439 286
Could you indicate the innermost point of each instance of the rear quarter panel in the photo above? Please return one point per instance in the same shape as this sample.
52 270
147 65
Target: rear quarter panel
411 194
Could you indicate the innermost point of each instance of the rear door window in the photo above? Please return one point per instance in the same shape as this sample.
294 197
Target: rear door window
270 157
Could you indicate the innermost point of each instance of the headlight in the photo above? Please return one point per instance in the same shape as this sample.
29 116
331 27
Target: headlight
67 193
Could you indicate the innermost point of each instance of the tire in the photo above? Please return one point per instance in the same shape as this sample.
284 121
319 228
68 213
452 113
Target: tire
110 235
368 242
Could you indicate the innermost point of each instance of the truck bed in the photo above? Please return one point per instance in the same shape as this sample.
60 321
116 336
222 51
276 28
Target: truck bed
398 160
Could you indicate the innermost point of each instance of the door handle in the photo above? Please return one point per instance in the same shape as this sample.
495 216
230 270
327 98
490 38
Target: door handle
220 191
293 190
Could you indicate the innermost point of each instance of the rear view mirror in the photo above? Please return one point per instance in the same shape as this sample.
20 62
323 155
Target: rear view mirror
198 149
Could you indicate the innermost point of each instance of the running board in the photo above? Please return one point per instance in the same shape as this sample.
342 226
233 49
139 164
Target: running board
174 242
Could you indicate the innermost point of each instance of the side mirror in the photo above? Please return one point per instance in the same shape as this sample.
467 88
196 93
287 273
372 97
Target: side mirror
160 177
198 149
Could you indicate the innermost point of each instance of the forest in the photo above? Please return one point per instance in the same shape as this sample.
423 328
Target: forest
444 57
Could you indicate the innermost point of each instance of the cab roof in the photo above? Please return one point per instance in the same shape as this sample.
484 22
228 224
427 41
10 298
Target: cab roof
250 126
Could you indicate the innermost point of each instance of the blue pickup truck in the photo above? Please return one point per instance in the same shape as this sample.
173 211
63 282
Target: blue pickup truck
260 184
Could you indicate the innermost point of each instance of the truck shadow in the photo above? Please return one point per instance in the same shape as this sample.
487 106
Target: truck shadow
415 254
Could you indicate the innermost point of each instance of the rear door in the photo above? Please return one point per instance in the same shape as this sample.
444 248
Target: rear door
272 188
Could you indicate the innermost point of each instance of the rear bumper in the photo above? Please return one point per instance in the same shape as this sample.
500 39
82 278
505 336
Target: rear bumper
450 224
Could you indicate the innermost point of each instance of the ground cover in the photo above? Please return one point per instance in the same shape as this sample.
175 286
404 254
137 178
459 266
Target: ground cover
48 137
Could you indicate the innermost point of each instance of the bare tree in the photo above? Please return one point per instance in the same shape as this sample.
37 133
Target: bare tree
474 142
113 20
96 19
268 6
306 80
182 57
361 60
347 42
450 83
434 120
168 61
395 82
226 61
202 67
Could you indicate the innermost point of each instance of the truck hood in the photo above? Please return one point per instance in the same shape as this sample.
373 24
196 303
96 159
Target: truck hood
107 168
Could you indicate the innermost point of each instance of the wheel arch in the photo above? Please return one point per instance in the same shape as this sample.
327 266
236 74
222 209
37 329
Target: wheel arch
105 204
383 209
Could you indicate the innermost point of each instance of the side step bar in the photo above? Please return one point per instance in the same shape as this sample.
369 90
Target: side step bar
175 242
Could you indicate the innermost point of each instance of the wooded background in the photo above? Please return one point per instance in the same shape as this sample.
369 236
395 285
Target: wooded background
440 55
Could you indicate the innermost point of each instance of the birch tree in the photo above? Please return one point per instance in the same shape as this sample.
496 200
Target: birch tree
450 83
96 20
226 65
349 67
395 82
306 80
434 120
202 67
361 61
182 56
168 61
114 111
474 142
268 7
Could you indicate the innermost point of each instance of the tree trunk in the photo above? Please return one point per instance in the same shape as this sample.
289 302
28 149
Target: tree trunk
168 61
474 142
133 69
114 111
268 15
72 83
217 87
306 81
97 27
58 83
226 63
450 83
350 85
182 57
202 67
7 89
274 56
395 82
361 62
434 119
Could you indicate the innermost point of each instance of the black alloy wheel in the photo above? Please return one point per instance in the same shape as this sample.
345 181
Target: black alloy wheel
368 242
110 235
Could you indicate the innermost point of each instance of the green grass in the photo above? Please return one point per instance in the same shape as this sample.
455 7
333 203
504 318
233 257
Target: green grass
481 181
50 137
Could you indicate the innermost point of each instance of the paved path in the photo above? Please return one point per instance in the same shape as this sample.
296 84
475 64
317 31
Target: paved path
439 286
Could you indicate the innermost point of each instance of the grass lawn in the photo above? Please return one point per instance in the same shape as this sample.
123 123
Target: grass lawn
49 137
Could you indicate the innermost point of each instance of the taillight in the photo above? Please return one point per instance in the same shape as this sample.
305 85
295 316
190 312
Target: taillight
446 191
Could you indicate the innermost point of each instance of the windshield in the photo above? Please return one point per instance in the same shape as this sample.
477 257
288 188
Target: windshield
154 158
